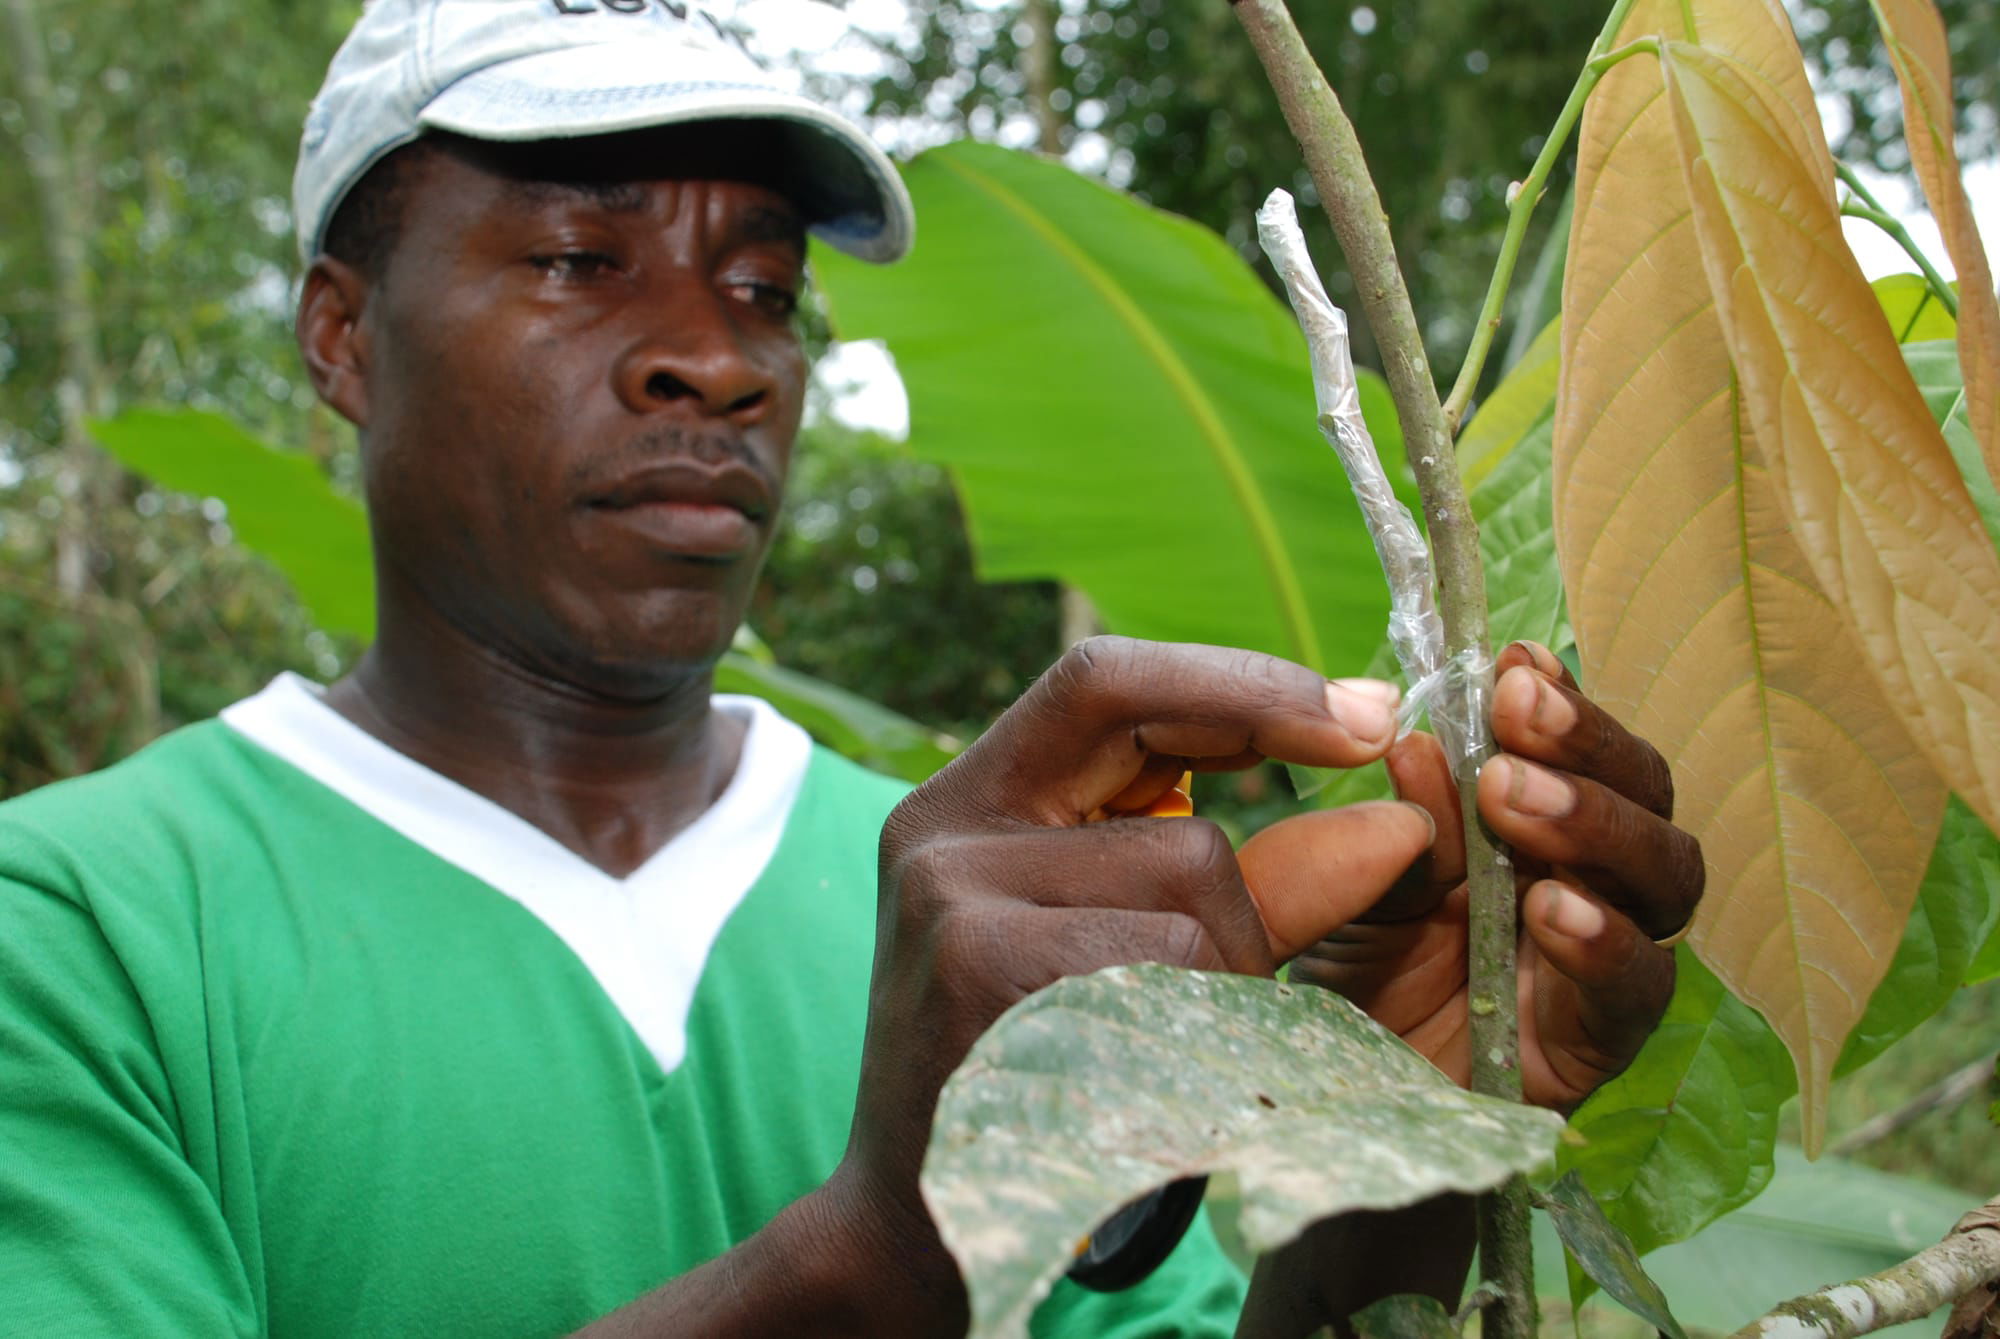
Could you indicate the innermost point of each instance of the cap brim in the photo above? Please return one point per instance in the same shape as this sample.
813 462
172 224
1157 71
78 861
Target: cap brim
852 195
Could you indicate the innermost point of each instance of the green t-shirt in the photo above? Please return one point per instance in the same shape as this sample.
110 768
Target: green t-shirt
300 1038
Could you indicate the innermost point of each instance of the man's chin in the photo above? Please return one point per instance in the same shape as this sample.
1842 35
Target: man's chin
644 668
639 646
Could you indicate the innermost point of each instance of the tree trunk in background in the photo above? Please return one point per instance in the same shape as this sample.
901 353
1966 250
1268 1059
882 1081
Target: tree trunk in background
80 393
1039 67
1080 618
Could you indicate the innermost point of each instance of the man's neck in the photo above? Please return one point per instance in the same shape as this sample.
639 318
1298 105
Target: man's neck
611 778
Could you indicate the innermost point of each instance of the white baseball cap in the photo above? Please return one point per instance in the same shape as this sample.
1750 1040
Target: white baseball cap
517 70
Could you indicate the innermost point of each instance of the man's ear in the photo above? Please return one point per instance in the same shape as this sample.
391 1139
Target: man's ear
333 339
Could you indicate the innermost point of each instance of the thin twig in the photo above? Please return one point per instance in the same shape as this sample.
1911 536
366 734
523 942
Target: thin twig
1475 1301
1521 203
1948 1091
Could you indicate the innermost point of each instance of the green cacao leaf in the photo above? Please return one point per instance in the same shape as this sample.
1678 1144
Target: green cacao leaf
1099 1088
1505 457
1517 537
1685 1134
1956 912
1934 365
1913 310
1525 397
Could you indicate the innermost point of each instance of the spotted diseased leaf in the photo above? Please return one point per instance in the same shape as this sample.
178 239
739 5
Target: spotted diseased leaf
1097 1089
1914 34
1698 619
1605 1254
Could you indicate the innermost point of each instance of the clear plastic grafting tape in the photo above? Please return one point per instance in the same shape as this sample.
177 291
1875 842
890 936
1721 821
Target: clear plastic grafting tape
1453 690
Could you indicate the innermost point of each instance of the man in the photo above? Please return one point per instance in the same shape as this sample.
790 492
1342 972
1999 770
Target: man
514 984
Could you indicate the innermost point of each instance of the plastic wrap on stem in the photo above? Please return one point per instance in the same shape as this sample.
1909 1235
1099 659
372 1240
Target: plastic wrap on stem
1453 690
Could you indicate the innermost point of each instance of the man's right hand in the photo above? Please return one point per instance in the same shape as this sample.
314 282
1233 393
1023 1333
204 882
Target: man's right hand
996 881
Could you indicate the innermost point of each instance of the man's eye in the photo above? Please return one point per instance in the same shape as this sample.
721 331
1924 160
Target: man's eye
575 264
775 300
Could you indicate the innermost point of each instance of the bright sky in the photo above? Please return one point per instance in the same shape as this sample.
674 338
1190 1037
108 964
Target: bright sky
866 391
1879 255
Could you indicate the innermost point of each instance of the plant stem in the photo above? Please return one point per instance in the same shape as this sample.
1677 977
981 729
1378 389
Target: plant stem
1347 193
1521 205
1871 209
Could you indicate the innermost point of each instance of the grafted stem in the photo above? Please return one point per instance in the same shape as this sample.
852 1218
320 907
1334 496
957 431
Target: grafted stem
1333 157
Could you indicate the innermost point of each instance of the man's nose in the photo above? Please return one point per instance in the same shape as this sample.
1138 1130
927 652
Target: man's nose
692 358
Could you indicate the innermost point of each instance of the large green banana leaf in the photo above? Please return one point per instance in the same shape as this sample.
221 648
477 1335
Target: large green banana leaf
280 503
1124 406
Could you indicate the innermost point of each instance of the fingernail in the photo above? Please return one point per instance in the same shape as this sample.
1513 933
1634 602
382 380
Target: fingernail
1575 915
1555 714
1425 814
1377 690
1365 708
1533 791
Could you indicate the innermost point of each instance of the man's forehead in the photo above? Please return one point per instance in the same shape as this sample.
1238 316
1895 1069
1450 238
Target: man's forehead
769 217
616 172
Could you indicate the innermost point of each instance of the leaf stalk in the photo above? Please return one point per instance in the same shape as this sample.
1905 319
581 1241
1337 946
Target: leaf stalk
1865 206
1522 202
1333 157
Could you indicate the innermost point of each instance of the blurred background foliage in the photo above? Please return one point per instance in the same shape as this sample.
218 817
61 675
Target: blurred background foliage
145 243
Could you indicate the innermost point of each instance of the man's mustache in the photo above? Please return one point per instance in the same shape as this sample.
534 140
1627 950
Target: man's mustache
669 443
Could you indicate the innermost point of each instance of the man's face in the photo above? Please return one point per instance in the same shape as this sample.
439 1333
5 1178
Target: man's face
584 382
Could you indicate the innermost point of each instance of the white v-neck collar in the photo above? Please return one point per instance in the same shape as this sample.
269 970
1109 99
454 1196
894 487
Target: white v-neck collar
645 937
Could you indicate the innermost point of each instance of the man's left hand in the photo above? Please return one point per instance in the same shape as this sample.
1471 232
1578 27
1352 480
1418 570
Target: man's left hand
1586 809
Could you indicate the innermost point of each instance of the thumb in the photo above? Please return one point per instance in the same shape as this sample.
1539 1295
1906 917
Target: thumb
1313 873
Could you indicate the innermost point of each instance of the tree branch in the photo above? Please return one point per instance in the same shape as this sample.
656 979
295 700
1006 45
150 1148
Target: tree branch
1948 1091
1938 1276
